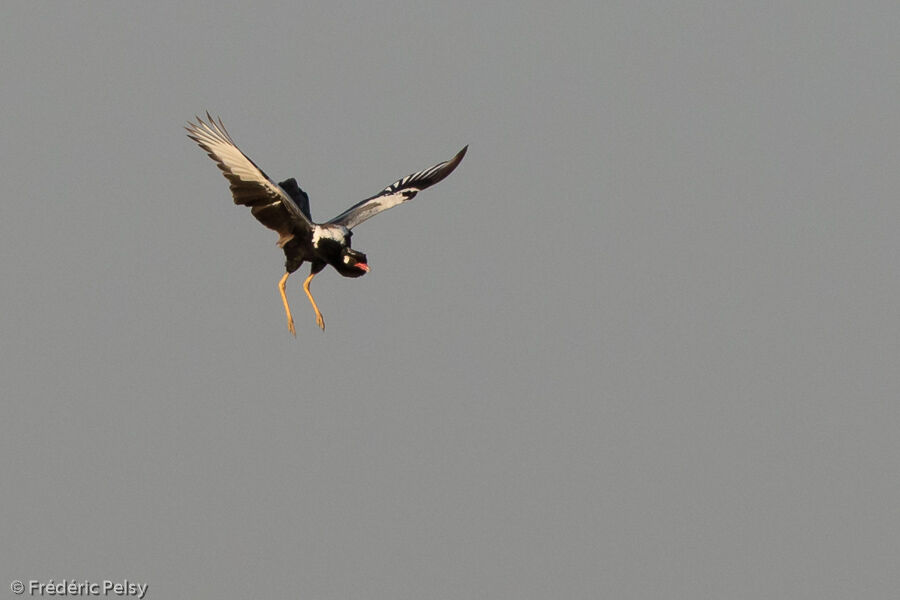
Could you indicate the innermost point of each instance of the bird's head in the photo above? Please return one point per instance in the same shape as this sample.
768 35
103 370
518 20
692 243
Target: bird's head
352 263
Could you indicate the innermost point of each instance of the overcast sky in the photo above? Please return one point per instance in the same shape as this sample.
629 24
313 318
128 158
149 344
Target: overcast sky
642 343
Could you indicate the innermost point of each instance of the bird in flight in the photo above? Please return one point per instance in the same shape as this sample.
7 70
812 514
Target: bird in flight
284 208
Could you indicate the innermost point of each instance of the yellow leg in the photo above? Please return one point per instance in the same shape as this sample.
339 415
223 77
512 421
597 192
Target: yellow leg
320 321
287 309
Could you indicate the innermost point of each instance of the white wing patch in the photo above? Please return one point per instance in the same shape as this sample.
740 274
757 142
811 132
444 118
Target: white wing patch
397 193
335 233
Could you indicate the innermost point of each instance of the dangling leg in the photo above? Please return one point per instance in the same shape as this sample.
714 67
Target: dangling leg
320 321
287 309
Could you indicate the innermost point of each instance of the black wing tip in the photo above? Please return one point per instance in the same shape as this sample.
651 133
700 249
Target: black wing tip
199 120
451 164
212 125
193 128
459 156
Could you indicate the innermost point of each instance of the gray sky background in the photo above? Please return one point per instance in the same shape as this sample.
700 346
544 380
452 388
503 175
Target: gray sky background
643 343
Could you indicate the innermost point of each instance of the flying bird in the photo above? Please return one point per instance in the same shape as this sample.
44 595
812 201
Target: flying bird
284 208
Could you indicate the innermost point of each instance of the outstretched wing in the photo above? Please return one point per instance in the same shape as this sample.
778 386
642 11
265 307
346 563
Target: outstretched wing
397 193
250 186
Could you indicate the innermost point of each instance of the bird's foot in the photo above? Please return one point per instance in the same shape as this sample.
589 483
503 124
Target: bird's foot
320 320
290 321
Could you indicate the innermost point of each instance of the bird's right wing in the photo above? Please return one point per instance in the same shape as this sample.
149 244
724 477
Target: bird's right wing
397 193
250 186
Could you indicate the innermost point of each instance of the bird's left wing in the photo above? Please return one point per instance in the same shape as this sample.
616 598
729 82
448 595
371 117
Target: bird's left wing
398 192
250 186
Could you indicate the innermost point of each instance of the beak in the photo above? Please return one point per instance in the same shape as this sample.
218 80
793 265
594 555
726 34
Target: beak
363 266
